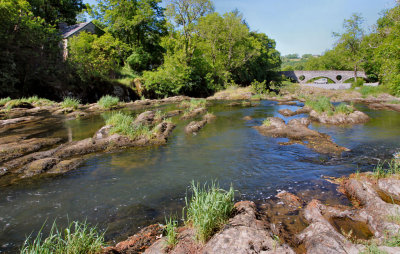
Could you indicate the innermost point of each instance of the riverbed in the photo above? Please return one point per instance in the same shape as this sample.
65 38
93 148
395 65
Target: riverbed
124 191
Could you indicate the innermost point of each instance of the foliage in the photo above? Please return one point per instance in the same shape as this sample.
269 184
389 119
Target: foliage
266 122
321 105
108 101
54 12
208 209
386 169
170 231
29 49
76 238
3 101
70 102
92 56
342 108
259 87
123 124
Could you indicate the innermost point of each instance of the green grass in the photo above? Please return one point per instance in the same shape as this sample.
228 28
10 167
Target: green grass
76 238
70 102
387 169
372 90
372 249
170 232
193 104
208 209
320 105
108 101
3 101
343 108
330 81
391 102
123 124
266 122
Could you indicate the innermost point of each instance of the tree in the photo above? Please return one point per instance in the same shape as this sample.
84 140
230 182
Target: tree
140 24
55 11
186 14
349 42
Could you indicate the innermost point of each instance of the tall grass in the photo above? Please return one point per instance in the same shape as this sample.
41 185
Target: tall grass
342 108
3 101
76 238
170 231
70 102
108 101
373 90
321 105
208 209
123 124
386 169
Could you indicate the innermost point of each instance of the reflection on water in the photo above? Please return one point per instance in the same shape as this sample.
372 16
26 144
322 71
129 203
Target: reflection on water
132 188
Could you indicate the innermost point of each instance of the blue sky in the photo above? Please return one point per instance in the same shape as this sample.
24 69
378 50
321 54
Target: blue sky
302 26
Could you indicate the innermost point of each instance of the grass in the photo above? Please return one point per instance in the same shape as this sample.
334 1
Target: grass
372 90
108 101
391 102
343 108
76 238
266 122
3 101
321 105
387 169
170 232
208 209
123 124
70 102
372 249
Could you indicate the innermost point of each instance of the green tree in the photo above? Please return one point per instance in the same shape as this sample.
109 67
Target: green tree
96 57
349 42
55 11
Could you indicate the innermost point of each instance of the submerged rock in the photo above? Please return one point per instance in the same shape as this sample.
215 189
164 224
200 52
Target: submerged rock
297 131
195 126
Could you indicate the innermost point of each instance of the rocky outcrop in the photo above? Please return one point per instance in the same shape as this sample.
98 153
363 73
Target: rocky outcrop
244 233
297 131
385 106
288 112
193 113
194 126
353 118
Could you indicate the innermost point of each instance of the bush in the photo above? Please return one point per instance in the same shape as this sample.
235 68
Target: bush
70 102
123 124
259 87
76 238
208 209
108 101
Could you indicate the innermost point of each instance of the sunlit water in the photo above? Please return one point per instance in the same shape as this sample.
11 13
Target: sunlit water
124 191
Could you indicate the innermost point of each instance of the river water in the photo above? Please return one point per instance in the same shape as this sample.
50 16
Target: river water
124 191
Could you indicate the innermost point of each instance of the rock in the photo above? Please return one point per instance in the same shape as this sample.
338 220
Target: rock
390 186
195 126
145 118
209 117
287 103
173 113
66 166
103 132
175 99
3 171
353 118
385 106
193 113
288 112
39 166
321 237
13 150
12 104
298 132
247 118
139 242
20 120
290 199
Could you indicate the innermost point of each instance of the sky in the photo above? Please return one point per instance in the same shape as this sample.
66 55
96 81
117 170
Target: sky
302 26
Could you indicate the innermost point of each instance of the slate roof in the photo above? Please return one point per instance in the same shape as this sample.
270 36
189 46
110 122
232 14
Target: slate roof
67 31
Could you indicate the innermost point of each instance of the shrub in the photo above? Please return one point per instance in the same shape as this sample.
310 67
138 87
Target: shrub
208 209
76 238
259 87
170 231
123 124
321 105
70 102
3 101
108 101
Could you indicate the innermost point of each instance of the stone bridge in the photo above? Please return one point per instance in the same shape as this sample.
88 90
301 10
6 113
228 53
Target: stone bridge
304 77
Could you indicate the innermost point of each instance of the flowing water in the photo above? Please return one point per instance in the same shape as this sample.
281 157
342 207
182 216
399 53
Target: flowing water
126 190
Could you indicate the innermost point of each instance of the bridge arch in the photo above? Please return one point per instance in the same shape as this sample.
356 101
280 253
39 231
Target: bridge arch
335 76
